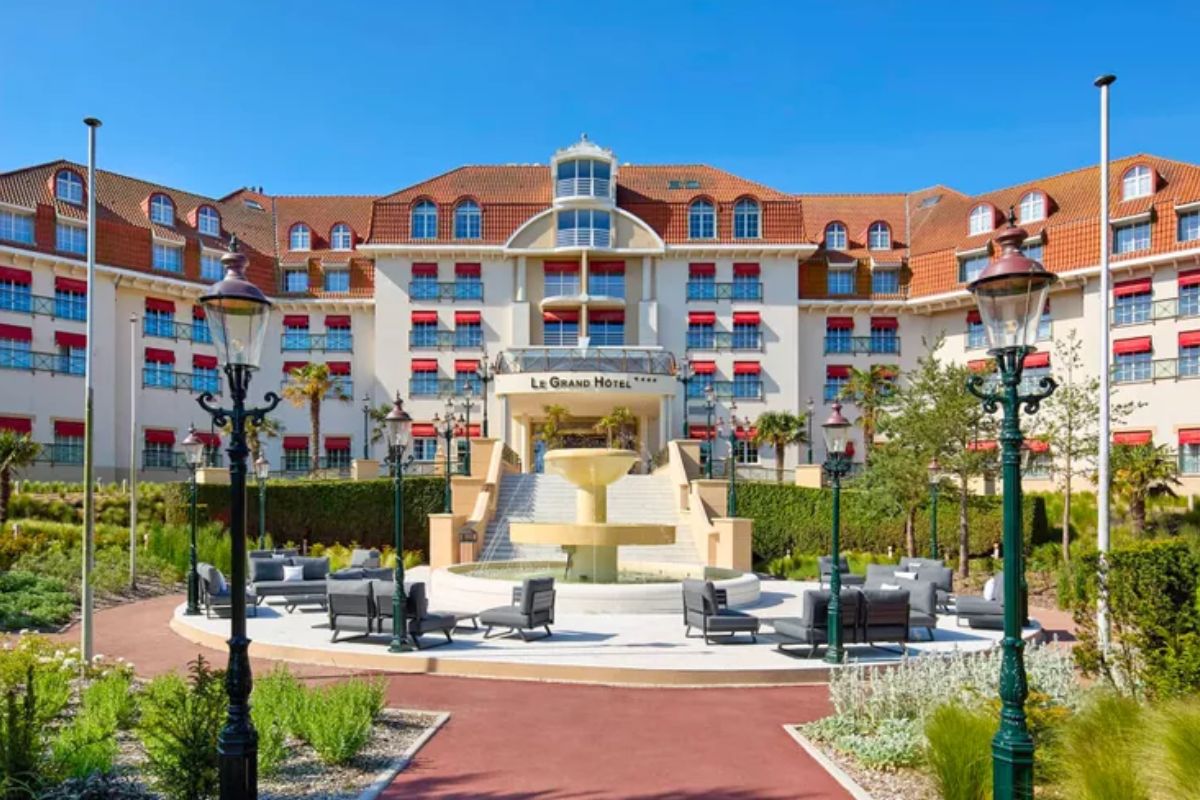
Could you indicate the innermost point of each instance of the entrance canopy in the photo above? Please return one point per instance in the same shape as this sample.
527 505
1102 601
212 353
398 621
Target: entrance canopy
588 381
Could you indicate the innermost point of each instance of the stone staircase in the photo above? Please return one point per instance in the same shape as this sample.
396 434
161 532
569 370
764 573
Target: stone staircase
550 498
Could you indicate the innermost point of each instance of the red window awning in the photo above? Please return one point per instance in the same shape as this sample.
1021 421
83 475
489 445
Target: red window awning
701 270
1037 445
17 425
65 339
425 317
700 432
607 267
606 316
338 367
424 365
471 433
1189 338
424 430
68 427
204 362
973 318
74 285
746 434
1139 344
156 304
746 368
337 321
982 365
295 320
295 443
560 266
885 323
160 356
199 313
424 270
467 270
1037 360
1133 437
1137 286
14 275
467 317
466 365
704 367
337 442
159 436
1189 436
982 445
560 316
1190 277
837 371
16 333
702 317
210 439
747 269
839 323
288 366
746 318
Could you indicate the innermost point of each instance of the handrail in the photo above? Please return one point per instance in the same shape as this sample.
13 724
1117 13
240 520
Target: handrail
677 470
489 493
700 523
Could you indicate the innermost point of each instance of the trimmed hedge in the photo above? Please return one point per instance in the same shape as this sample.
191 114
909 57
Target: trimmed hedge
798 519
326 511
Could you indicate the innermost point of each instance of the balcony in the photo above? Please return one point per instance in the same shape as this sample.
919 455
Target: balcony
302 466
583 187
724 340
429 387
582 237
170 329
1147 311
180 381
419 339
863 345
34 304
30 361
723 390
591 359
333 342
453 292
738 290
1160 369
61 453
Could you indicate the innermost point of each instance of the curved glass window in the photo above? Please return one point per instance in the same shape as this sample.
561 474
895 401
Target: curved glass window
879 237
745 219
1033 207
583 177
424 220
702 220
982 220
583 228
162 210
1136 183
341 238
300 237
835 236
68 186
468 221
208 221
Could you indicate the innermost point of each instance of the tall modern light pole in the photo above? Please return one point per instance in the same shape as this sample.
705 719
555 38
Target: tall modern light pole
812 409
837 464
89 421
1103 476
193 455
399 429
935 480
710 405
1010 294
238 314
133 453
262 471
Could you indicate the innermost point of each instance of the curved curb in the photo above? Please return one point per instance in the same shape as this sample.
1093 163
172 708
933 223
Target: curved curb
826 763
385 778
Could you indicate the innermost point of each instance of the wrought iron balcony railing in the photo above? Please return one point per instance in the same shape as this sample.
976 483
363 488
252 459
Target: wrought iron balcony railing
170 329
329 342
180 381
738 290
863 345
60 307
724 340
31 361
456 291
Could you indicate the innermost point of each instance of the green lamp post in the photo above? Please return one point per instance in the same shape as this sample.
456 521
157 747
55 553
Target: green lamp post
812 409
710 405
468 401
685 376
445 427
486 375
836 431
1010 294
731 495
193 454
262 471
399 431
935 480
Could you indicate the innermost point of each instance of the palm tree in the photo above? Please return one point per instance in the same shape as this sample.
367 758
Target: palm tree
616 425
1140 471
17 451
869 389
552 426
308 386
779 429
269 428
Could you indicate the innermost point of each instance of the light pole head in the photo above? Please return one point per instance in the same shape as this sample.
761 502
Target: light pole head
935 472
811 406
399 424
1011 292
193 448
366 401
710 397
836 431
262 468
237 312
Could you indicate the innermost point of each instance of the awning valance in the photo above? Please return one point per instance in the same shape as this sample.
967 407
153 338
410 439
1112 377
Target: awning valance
467 317
746 318
704 367
746 368
159 436
337 442
159 355
1139 344
839 323
1136 286
65 339
1037 360
885 323
338 367
746 270
73 285
701 270
295 443
204 362
702 317
425 317
1133 437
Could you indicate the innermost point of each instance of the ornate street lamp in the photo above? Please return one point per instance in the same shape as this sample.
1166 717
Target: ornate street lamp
468 401
445 427
193 454
935 480
238 314
812 409
262 471
837 463
486 375
399 432
366 409
731 496
685 375
710 405
1011 294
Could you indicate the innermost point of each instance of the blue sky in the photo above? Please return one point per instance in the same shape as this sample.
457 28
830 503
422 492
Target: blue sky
349 97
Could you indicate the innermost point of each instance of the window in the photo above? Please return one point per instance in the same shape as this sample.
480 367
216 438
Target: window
883 337
746 283
424 333
1189 299
210 267
839 281
424 220
70 302
341 383
1031 377
72 355
162 209
700 334
838 338
468 221
745 451
300 237
700 382
340 238
424 282
1032 207
1044 324
583 177
885 281
425 448
70 238
295 280
1189 360
971 267
606 281
167 258
879 237
337 280
295 457
15 350
16 227
158 453
159 322
745 219
561 281
1132 303
702 282
1188 228
982 220
337 456
467 334
583 228
1130 367
1032 250
295 335
468 282
747 386
208 221
606 330
68 443
1136 183
1189 457
561 330
465 378
835 378
1131 238
702 220
158 371
337 335
1037 464
976 334
15 293
204 378
835 236
200 330
68 186
425 381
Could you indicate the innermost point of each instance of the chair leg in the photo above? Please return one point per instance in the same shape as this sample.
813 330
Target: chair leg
449 640
333 638
548 633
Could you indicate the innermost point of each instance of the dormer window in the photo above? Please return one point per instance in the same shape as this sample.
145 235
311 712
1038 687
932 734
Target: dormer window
1138 182
424 220
982 220
208 221
68 186
341 237
835 236
879 236
702 220
468 221
162 210
746 219
1032 207
300 237
582 177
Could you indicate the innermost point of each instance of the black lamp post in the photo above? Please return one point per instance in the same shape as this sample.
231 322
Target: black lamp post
710 405
262 471
399 428
837 463
935 479
468 401
812 409
366 409
445 427
238 314
1010 294
486 375
193 454
685 375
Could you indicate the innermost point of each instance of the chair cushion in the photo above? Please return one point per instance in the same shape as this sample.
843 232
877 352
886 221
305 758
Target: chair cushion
293 574
733 621
314 568
348 574
433 622
504 617
285 588
531 587
796 629
919 619
265 568
379 573
362 557
973 605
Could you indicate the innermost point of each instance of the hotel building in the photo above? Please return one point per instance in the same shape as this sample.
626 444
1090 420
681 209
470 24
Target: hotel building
583 282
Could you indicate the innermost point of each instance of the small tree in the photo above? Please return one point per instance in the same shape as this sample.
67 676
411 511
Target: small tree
308 386
895 481
269 428
17 451
1139 472
779 429
552 427
617 424
871 390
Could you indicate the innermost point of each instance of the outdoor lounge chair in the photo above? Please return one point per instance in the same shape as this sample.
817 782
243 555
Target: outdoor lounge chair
363 557
981 613
533 607
267 575
702 609
884 617
926 569
351 607
215 595
812 628
922 597
825 569
421 620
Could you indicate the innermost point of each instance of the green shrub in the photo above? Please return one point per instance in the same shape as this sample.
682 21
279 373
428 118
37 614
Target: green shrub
110 699
21 741
803 567
30 601
180 721
83 746
1100 750
336 720
171 545
98 786
1176 751
959 753
276 708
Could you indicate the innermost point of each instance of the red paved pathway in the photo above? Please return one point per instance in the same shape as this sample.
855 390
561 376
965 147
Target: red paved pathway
515 739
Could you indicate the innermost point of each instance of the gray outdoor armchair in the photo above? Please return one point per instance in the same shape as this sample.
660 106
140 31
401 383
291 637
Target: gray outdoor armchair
825 570
812 628
704 609
979 612
215 595
532 608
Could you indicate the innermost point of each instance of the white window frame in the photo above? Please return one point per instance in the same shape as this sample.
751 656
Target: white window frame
427 212
338 272
747 214
892 275
702 219
1190 220
1133 246
16 227
841 274
835 236
211 268
208 221
77 235
981 220
1137 182
1032 207
468 220
167 257
983 260
68 186
879 236
341 237
287 273
300 237
162 209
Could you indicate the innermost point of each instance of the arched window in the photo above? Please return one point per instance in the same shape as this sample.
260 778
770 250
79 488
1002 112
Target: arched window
468 221
424 220
745 219
879 237
162 210
208 221
982 220
68 186
1033 207
1136 183
300 237
835 236
340 237
702 220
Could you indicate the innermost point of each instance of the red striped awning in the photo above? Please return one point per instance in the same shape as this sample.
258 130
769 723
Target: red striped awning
204 362
295 443
560 316
750 269
701 270
337 321
16 333
606 316
1037 445
1189 338
424 430
424 365
1133 437
295 320
157 304
1190 277
65 339
74 285
560 266
467 317
466 365
209 438
607 267
704 367
1189 436
14 275
288 366
17 425
159 436
746 368
198 312
337 442
700 432
885 323
837 371
425 317
982 445
702 317
467 270
982 365
839 323
1037 360
68 427
1139 344
338 367
160 356
747 317
425 270
1136 286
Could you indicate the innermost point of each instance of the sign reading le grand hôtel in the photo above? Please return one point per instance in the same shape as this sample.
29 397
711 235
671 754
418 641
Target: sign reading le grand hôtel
560 382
